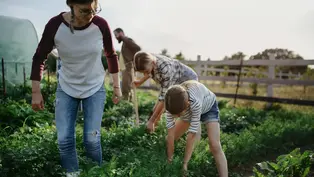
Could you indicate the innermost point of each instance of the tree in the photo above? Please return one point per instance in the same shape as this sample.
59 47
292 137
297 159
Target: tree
165 52
51 62
179 56
282 54
104 59
236 56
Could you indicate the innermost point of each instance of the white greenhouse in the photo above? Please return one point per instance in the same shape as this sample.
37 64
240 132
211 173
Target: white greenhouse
18 42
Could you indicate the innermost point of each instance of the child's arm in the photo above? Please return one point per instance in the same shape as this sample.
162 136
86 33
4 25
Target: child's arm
142 80
165 84
188 149
158 109
195 119
170 136
170 144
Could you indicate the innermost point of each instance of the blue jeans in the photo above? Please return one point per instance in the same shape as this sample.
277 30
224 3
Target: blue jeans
66 113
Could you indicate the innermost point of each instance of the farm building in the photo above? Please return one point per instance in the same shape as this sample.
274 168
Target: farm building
18 42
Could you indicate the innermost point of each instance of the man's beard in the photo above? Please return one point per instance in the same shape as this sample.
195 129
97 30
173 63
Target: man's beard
119 40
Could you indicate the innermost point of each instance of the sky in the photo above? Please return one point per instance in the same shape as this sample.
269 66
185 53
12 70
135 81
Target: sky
212 29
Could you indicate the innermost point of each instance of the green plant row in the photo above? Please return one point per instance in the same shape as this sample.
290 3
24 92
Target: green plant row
295 163
130 151
16 114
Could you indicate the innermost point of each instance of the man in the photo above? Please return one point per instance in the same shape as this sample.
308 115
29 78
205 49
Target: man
128 49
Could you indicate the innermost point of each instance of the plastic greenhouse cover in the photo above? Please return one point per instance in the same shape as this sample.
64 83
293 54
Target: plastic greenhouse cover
18 42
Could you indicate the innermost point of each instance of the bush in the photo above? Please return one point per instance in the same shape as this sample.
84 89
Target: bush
293 164
236 120
15 114
130 151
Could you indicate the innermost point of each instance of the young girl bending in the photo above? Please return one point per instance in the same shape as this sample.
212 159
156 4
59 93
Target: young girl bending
193 102
164 71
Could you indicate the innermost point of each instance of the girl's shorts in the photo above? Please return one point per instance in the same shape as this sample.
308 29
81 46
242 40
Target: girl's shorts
212 115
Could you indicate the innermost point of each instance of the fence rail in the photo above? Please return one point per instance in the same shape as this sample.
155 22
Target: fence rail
255 62
259 80
17 73
269 77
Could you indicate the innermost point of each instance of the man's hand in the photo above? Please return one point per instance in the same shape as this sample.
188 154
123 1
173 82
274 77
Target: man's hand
150 126
37 101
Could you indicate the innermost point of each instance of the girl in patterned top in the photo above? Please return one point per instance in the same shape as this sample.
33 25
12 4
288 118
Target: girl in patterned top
164 71
193 102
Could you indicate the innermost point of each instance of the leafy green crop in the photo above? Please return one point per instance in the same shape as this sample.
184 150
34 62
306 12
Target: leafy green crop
15 114
293 164
29 148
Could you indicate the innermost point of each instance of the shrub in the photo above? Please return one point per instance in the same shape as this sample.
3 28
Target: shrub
293 164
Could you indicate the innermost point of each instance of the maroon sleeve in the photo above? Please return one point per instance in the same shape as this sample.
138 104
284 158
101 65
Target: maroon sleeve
110 53
44 47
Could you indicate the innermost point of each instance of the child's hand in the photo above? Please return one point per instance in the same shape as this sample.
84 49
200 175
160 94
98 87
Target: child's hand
169 161
185 167
137 83
185 170
150 126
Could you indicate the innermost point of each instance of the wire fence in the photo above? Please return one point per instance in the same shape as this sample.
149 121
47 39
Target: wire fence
17 74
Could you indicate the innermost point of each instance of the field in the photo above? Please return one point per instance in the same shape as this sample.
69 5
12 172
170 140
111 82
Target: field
254 140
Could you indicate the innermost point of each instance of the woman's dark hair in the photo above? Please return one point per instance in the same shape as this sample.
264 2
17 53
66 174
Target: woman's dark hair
70 2
118 30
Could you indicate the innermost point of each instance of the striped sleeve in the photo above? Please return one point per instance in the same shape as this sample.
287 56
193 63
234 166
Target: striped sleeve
196 108
170 120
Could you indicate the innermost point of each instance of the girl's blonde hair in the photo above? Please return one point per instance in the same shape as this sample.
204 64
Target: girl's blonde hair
142 60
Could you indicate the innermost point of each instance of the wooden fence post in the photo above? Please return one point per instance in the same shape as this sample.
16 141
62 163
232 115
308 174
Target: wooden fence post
271 75
3 77
280 74
198 57
198 67
24 79
238 80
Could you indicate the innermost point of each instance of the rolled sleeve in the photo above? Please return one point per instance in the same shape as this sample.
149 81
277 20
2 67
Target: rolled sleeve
196 110
170 120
